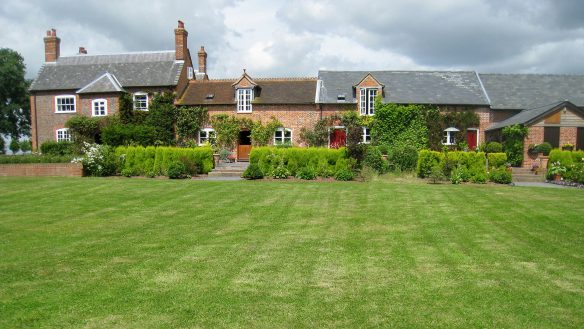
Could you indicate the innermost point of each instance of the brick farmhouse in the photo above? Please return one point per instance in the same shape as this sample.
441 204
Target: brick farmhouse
551 106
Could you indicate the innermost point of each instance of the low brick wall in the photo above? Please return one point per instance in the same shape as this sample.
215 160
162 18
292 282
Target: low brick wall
42 169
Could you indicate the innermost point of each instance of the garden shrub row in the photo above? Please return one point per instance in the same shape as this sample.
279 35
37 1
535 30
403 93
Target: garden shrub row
155 161
274 161
57 148
32 158
566 158
571 162
463 166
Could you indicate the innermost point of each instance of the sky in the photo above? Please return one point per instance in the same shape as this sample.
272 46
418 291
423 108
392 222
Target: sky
277 38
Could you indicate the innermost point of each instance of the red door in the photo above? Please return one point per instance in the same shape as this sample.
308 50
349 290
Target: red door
338 138
471 139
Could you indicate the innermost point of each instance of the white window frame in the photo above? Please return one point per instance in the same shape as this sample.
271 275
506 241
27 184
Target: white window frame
207 138
244 98
367 100
65 135
96 102
449 137
366 133
62 97
140 93
190 73
282 140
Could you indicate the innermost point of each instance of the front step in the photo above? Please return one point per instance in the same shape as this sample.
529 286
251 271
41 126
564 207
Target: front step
527 175
233 169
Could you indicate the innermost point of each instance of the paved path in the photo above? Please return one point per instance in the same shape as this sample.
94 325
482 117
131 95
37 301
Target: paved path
539 185
219 178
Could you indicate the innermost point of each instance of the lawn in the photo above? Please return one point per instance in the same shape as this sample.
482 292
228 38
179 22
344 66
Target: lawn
143 253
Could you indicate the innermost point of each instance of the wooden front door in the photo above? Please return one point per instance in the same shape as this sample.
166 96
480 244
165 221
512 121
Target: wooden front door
338 138
244 146
471 139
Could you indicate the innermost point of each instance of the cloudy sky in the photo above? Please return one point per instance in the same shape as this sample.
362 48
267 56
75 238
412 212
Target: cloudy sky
299 37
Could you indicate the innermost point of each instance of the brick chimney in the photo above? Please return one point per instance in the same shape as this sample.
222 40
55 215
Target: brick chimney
180 41
82 51
202 60
52 46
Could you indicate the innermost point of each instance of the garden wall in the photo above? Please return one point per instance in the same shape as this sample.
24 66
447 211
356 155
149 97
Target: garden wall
42 169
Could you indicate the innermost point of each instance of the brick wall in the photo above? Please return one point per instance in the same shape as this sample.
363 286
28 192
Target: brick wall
42 169
568 135
534 136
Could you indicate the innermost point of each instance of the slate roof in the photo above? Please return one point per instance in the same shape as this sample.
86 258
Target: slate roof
268 91
144 69
408 87
524 91
534 114
105 83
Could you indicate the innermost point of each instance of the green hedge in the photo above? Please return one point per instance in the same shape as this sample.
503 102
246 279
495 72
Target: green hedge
566 158
325 161
470 165
152 161
497 160
35 158
58 148
427 160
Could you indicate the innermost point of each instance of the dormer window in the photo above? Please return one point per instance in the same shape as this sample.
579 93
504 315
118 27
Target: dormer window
367 100
244 99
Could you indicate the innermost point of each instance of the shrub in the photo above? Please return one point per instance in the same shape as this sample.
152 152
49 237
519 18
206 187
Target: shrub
436 174
500 176
497 160
367 174
126 134
493 147
403 158
2 145
25 146
280 172
544 148
306 173
456 176
177 170
84 129
374 160
57 148
324 160
578 156
513 137
33 158
427 160
253 171
563 157
479 178
140 160
344 174
98 160
14 145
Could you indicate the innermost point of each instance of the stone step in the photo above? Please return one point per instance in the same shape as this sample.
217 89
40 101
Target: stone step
528 178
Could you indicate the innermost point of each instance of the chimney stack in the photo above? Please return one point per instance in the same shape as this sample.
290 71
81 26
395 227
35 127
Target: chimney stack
52 46
82 51
202 60
180 41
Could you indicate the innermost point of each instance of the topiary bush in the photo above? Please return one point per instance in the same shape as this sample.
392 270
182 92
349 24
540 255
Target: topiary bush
253 171
141 160
177 170
497 160
324 160
427 160
565 158
493 147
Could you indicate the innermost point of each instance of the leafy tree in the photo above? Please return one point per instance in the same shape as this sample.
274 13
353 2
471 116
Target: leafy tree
84 129
14 145
513 137
25 146
14 101
227 130
354 123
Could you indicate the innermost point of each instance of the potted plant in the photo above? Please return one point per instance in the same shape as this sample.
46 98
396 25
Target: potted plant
556 170
535 166
225 155
567 147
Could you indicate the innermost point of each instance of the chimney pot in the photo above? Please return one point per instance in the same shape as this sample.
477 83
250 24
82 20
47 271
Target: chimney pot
53 32
180 42
181 24
52 46
202 60
82 51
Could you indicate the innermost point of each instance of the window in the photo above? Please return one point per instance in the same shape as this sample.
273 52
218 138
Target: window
190 73
206 135
367 104
283 136
244 98
64 104
552 136
366 135
449 134
63 135
99 107
141 101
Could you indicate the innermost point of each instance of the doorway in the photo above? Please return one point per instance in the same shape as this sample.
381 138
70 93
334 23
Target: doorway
244 145
471 138
337 137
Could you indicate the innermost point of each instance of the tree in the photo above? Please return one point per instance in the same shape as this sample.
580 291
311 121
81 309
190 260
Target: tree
14 101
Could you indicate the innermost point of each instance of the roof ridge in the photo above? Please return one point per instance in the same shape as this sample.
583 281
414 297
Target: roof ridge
536 74
117 54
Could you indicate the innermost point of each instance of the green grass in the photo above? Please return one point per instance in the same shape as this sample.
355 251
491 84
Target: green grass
102 253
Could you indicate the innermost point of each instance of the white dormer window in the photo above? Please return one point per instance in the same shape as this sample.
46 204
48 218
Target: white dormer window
65 104
63 135
244 99
99 107
283 136
367 101
190 73
449 136
207 135
140 101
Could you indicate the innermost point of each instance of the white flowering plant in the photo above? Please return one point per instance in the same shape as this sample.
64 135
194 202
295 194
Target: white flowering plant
97 160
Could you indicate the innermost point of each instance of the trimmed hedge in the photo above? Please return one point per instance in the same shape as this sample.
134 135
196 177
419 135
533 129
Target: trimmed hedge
497 160
566 158
58 148
35 159
326 162
470 165
154 161
427 160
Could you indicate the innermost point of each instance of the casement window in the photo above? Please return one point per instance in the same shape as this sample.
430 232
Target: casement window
65 104
99 107
283 136
367 101
207 135
366 135
141 101
449 134
244 99
63 135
